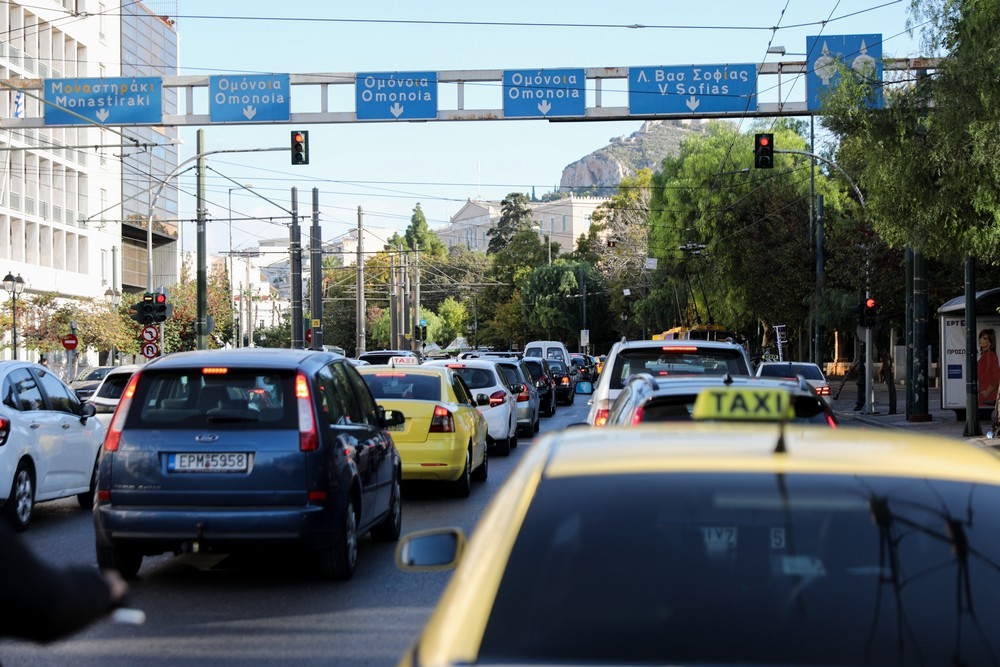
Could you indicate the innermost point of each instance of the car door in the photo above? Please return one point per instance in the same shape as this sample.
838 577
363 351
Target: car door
469 416
380 442
73 451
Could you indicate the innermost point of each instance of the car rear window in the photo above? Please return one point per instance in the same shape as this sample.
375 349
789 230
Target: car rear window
682 360
535 369
477 378
397 385
808 409
750 569
510 374
236 399
808 371
113 385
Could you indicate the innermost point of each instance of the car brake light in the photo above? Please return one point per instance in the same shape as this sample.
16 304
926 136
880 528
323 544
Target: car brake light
523 396
564 381
442 421
4 430
636 416
679 348
114 436
601 416
308 438
214 371
455 365
497 398
830 421
823 391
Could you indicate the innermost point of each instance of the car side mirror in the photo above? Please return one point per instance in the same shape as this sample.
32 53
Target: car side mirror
87 410
482 399
392 417
585 387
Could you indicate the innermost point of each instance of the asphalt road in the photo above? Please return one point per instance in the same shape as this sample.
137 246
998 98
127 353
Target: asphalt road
212 610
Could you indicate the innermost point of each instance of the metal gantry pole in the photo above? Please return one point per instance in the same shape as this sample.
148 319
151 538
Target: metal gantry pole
316 274
295 250
359 343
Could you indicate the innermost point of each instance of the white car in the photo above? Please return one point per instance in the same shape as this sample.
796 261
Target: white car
662 359
49 441
812 373
484 376
109 392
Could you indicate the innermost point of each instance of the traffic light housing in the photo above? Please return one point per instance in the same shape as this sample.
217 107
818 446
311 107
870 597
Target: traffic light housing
870 316
612 243
763 151
137 312
300 147
161 309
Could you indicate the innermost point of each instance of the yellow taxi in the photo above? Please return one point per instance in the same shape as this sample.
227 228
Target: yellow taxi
444 435
752 543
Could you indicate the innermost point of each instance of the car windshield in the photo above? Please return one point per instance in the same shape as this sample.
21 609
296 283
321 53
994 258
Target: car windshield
400 385
92 374
665 361
750 568
191 399
809 409
808 371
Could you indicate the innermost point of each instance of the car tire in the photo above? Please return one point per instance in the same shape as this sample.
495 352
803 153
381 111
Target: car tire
538 422
391 526
20 503
483 471
86 500
462 486
503 446
513 439
338 562
572 397
125 561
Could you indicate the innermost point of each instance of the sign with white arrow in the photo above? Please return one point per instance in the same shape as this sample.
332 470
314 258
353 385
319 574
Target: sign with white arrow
114 101
396 95
686 89
237 98
544 93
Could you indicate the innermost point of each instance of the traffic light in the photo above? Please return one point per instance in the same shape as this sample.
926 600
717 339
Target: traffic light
612 243
145 309
763 151
871 313
300 147
161 309
136 312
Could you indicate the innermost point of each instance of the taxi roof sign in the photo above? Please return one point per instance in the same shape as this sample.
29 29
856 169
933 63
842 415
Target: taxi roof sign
744 404
403 361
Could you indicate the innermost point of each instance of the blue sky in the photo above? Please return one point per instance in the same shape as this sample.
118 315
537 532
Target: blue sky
387 168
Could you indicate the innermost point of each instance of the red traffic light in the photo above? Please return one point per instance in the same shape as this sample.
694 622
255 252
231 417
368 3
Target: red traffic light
298 138
161 298
869 302
764 141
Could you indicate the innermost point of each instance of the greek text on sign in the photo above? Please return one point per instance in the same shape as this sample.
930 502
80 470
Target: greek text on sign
737 404
544 93
238 98
395 95
118 101
687 89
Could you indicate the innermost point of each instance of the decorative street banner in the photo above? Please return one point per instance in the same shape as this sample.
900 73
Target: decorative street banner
861 54
243 98
115 101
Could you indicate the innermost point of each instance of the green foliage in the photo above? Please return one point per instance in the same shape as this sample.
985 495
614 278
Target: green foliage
454 318
515 216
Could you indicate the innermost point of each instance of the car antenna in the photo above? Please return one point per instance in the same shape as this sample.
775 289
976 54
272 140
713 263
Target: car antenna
779 447
727 379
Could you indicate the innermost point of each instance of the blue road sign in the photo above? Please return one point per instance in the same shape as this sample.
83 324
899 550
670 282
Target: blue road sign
692 89
116 101
396 95
862 54
234 98
544 93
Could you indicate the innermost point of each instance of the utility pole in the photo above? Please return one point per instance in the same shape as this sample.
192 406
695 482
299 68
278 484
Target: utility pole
316 275
295 248
393 304
202 255
820 281
415 305
360 342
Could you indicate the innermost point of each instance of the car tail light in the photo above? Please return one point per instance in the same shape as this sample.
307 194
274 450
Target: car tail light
636 416
4 430
442 421
823 391
114 436
831 422
497 398
601 416
308 438
524 396
564 381
679 348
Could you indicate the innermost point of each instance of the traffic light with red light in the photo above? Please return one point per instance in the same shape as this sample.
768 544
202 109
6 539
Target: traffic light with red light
300 147
763 151
161 309
870 318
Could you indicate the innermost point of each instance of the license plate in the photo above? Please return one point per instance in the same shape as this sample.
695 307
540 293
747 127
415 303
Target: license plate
208 462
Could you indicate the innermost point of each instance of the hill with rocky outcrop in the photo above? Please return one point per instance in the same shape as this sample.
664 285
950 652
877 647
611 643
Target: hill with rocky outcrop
600 172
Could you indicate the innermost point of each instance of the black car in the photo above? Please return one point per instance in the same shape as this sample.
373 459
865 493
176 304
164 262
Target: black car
229 450
545 383
88 379
565 386
383 356
585 366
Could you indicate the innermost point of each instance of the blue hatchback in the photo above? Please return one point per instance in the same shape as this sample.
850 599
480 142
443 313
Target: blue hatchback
247 449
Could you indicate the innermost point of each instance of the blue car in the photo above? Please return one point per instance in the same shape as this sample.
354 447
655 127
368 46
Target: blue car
222 451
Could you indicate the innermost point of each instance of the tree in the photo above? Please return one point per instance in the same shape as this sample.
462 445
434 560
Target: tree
515 216
454 318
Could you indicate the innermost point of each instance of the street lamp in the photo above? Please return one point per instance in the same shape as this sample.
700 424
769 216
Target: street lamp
114 297
232 293
548 242
14 287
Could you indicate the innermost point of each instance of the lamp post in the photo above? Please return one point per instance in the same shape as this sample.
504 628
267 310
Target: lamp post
232 293
14 287
114 297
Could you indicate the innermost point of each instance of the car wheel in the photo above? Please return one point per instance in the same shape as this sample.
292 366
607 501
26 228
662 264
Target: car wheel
338 561
126 561
21 502
86 500
503 446
513 439
538 422
392 525
483 471
572 397
463 485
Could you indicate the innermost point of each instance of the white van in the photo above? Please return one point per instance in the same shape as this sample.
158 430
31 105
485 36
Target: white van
553 349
